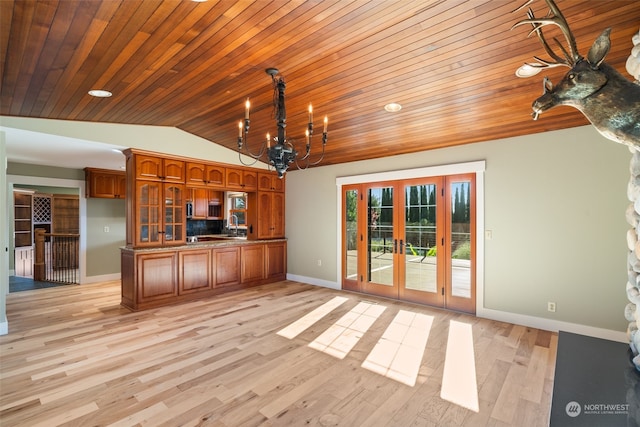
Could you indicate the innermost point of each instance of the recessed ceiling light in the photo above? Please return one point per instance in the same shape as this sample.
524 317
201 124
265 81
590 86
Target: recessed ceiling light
393 107
99 93
528 70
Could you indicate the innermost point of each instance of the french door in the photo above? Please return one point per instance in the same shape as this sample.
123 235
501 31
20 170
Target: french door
412 240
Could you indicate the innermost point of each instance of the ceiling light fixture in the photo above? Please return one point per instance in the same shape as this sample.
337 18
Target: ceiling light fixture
99 93
393 107
282 153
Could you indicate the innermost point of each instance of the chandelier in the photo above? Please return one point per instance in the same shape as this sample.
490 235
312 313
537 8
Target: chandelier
280 152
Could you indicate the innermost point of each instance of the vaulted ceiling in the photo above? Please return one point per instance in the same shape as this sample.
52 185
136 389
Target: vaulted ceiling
450 64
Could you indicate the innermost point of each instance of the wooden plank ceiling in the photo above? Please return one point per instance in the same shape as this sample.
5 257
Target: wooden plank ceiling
450 64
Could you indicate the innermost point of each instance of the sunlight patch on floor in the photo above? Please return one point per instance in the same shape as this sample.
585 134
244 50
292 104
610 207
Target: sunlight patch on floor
309 319
342 336
398 353
459 384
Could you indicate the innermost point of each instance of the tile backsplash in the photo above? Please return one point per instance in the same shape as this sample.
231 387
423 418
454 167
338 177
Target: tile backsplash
200 227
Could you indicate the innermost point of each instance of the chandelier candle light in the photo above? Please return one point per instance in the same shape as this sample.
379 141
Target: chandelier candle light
282 153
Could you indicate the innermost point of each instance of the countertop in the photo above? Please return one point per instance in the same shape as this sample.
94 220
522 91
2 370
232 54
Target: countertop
217 242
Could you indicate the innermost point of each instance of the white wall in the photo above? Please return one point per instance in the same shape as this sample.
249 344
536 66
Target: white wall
555 204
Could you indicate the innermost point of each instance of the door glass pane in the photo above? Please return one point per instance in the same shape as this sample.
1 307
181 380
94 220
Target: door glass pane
420 238
173 213
460 238
380 236
351 234
154 212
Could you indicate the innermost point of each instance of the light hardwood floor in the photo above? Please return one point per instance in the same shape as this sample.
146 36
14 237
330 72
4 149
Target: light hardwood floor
74 357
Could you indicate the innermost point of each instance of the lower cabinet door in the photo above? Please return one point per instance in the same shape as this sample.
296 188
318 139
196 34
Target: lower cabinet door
157 276
226 266
276 260
252 263
195 271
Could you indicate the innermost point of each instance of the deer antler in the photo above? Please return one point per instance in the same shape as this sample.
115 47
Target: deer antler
554 17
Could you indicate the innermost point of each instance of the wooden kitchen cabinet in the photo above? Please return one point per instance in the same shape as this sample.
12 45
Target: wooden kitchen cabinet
159 169
241 179
156 276
200 200
253 263
203 174
105 183
194 271
207 204
159 214
156 206
269 181
226 266
276 260
268 217
215 209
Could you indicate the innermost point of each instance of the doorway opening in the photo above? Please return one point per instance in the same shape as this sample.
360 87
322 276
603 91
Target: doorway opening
46 229
412 239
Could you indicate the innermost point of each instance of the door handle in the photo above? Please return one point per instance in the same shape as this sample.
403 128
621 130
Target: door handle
401 244
395 246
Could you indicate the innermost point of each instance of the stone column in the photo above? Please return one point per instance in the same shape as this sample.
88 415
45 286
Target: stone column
632 310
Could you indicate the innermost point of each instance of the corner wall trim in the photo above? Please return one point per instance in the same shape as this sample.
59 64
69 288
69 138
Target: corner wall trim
4 326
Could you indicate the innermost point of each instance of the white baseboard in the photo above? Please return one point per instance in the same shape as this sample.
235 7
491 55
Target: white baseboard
504 316
552 325
102 278
314 281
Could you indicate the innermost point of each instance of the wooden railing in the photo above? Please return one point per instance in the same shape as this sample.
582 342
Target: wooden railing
56 257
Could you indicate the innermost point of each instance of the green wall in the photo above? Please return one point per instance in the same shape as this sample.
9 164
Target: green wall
555 203
103 248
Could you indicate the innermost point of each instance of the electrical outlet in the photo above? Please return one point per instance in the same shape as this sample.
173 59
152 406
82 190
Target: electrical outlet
319 263
551 306
488 234
106 229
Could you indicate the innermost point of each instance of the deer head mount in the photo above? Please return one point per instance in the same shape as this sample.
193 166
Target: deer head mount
607 99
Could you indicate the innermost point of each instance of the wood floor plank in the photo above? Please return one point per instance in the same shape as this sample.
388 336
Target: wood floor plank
75 357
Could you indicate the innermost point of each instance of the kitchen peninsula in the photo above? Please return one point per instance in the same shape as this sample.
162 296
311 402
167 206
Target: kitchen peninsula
160 267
